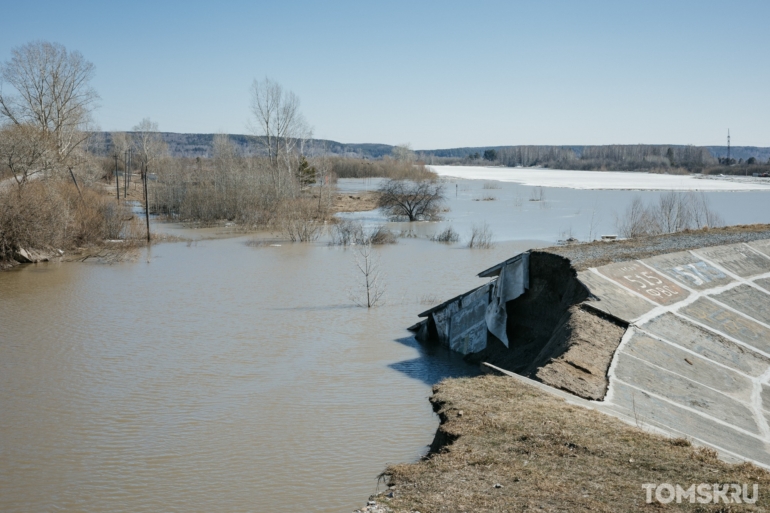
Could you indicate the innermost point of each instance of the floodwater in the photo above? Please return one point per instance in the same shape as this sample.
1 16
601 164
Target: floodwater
218 376
560 212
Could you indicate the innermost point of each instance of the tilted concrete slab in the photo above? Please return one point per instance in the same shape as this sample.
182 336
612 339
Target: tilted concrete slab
763 246
740 259
728 323
695 360
645 281
747 300
763 282
689 269
688 366
613 299
691 337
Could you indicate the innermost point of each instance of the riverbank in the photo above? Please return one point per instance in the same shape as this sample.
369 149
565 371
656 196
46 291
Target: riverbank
504 445
508 444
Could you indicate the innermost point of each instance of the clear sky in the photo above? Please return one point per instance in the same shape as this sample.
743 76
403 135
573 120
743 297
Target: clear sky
436 74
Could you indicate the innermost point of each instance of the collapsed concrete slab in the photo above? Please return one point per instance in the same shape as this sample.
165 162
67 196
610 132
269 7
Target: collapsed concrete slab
679 342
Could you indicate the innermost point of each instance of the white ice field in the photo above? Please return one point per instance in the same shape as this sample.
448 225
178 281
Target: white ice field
540 177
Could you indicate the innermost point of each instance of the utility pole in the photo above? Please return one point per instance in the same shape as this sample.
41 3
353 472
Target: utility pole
728 146
117 183
125 170
146 204
127 173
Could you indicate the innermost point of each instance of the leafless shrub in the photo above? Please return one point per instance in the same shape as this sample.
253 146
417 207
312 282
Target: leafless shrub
481 237
638 220
674 212
298 220
537 194
347 232
486 197
381 235
491 185
448 235
45 215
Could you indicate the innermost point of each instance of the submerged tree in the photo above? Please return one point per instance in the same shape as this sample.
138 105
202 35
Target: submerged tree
372 280
411 200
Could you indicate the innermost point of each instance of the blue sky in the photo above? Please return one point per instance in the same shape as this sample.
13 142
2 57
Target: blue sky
434 74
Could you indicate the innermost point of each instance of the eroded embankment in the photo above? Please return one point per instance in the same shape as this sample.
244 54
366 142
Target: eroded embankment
552 337
504 445
694 359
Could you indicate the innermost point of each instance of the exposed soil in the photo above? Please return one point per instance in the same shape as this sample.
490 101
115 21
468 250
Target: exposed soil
506 446
579 353
550 338
355 202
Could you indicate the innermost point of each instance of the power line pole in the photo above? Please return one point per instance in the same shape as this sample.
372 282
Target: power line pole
146 203
728 146
117 183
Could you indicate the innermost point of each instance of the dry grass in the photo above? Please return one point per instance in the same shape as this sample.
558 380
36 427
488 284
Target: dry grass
384 168
355 202
46 215
548 456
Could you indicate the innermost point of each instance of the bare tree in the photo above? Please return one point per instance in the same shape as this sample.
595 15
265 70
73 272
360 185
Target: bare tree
403 153
148 142
278 118
25 150
411 200
673 213
637 221
53 94
369 266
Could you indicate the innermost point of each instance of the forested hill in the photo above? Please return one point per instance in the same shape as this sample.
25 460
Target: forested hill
621 157
200 145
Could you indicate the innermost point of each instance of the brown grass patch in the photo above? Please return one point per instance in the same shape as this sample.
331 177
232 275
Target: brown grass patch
355 202
547 455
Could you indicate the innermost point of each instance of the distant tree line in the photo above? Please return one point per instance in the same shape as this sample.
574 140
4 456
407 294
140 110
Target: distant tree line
608 157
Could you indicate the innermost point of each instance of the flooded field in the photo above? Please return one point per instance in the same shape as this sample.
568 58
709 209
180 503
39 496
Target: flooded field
218 376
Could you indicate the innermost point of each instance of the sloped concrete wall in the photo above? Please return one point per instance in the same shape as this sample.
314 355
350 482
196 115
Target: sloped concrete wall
695 360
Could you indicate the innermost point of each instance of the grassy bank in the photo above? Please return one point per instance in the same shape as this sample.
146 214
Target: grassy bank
504 445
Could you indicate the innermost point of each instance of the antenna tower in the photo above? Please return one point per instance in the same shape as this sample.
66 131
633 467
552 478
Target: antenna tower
728 146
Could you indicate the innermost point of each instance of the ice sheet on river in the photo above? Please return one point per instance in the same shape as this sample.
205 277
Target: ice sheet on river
597 179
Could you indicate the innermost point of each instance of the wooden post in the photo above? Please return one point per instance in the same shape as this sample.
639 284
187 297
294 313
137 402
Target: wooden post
117 183
146 204
76 184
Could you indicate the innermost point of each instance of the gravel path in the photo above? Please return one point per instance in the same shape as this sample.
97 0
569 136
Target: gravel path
595 254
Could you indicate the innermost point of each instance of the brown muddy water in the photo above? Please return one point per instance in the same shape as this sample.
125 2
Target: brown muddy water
216 376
